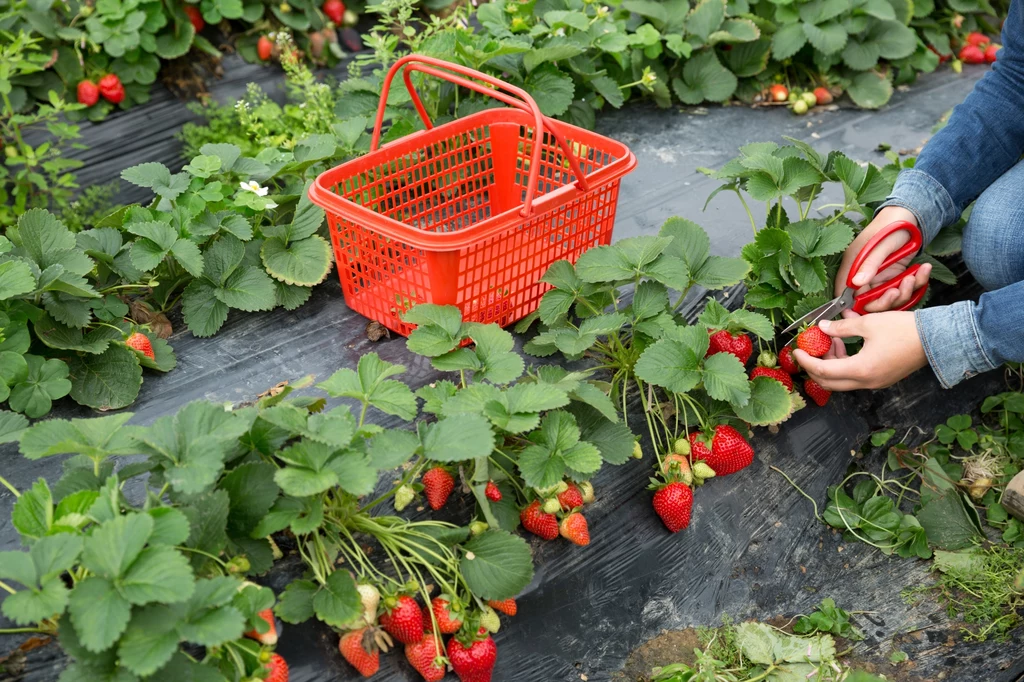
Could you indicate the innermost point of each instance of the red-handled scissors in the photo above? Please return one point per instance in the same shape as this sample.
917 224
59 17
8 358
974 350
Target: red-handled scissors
850 299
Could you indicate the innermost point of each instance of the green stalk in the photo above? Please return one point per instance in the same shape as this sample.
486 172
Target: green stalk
9 486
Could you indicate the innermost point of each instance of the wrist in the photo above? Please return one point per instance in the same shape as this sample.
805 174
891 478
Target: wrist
892 214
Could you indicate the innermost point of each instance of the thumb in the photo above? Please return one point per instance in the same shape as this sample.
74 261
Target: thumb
852 326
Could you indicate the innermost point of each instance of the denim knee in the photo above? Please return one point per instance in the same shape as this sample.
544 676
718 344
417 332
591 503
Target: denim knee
993 240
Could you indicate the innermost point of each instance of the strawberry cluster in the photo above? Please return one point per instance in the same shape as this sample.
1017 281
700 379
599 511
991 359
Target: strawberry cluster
541 516
109 87
470 652
979 49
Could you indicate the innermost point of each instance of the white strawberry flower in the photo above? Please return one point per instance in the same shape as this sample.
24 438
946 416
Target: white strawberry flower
254 187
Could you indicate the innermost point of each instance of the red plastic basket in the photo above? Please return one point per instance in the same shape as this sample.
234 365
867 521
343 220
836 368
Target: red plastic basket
470 213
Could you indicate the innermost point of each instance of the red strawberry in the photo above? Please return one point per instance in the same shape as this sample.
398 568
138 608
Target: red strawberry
140 342
506 606
111 88
992 52
438 484
88 93
264 48
729 451
423 657
814 341
475 662
533 518
816 393
571 499
823 96
447 622
359 650
270 636
196 17
786 361
278 669
574 529
402 619
778 92
335 11
773 373
492 492
724 342
977 39
673 504
972 54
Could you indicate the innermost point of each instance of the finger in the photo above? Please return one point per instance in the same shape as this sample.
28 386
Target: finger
843 369
839 348
923 273
849 314
874 260
893 298
853 326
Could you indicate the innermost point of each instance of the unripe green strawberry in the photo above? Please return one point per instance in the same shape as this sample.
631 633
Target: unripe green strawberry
681 446
809 98
561 487
489 620
587 489
799 107
404 497
702 472
478 527
766 358
638 453
551 506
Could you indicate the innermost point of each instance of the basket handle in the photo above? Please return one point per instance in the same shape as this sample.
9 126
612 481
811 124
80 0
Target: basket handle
524 102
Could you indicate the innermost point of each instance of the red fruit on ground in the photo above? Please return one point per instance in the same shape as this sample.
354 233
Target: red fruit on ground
506 606
474 663
111 88
814 341
402 619
673 504
492 492
779 92
270 636
422 656
729 451
823 96
264 48
816 393
992 52
786 361
335 11
196 17
724 342
358 649
571 498
278 669
533 518
776 373
438 484
447 623
972 54
88 93
140 342
978 39
574 529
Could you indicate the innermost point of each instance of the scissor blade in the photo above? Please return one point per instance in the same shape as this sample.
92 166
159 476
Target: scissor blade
827 311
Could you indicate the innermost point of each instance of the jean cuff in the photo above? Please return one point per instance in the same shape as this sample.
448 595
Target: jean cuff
922 195
952 342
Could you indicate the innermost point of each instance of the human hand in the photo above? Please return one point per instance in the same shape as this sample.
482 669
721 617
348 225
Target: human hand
869 276
892 350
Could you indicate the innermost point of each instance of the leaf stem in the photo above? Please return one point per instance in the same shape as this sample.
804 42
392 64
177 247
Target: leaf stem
7 587
9 486
799 490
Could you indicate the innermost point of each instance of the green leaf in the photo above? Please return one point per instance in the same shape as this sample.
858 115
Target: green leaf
295 605
33 512
204 313
188 256
613 439
16 278
46 381
338 602
458 438
252 492
108 381
247 288
391 448
725 379
160 574
98 613
669 364
828 38
769 402
947 523
305 262
788 40
370 384
497 565
437 330
704 78
551 89
28 607
170 526
95 438
150 640
861 56
705 18
870 90
894 40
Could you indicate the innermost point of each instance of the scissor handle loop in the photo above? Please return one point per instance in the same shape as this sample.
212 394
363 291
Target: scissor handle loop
908 249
